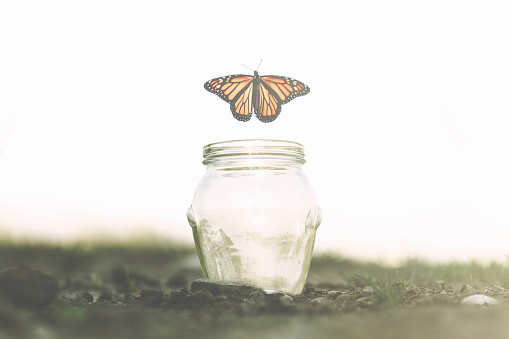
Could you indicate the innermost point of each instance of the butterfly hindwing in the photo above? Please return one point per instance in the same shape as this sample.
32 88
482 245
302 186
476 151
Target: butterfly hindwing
237 90
267 104
242 106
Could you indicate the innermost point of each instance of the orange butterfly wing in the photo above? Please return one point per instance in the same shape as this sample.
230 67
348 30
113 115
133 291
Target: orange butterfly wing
237 90
274 91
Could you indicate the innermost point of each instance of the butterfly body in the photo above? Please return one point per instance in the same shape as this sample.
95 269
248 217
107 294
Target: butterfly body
262 94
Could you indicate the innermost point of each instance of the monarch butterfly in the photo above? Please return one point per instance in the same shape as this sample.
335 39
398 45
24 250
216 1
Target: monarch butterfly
263 94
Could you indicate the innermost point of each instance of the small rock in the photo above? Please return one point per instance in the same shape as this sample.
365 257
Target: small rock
285 298
367 290
340 299
479 299
199 298
153 297
105 296
228 289
183 291
152 294
279 302
178 295
26 287
319 300
410 294
87 296
365 301
332 295
256 297
128 298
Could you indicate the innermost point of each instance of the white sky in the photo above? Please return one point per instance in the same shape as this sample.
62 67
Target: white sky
405 127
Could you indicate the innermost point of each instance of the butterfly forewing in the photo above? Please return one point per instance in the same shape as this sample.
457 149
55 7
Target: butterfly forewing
285 88
237 90
228 87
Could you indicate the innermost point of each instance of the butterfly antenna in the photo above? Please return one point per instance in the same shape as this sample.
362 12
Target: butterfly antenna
259 65
248 67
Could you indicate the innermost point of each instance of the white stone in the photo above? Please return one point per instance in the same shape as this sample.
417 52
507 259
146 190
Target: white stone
479 299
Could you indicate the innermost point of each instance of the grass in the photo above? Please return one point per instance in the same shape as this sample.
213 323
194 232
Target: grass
393 293
455 274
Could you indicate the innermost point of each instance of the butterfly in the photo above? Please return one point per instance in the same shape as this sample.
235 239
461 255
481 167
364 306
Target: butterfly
262 94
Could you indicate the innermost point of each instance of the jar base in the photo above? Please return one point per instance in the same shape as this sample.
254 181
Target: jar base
271 263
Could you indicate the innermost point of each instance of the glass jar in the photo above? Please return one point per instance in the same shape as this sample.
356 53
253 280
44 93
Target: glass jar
254 214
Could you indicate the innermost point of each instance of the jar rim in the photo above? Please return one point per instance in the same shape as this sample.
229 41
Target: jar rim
253 148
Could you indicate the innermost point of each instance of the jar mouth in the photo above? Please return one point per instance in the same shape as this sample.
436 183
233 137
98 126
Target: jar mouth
254 148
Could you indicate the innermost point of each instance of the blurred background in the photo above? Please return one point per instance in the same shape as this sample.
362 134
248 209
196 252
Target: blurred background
103 117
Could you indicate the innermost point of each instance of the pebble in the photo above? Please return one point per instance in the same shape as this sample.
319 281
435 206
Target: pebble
87 296
27 287
152 294
83 298
340 299
256 296
479 299
285 298
106 296
199 298
319 300
332 295
365 301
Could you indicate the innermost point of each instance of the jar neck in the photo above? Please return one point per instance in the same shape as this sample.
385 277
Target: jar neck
254 154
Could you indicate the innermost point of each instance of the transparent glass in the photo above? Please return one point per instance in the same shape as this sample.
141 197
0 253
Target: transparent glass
254 214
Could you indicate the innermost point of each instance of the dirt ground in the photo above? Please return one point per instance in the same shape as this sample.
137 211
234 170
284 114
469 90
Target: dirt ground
147 290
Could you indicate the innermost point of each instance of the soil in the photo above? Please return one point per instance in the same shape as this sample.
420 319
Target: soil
156 291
